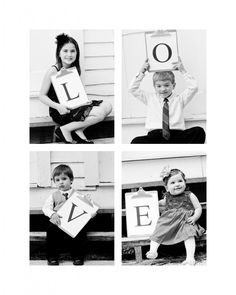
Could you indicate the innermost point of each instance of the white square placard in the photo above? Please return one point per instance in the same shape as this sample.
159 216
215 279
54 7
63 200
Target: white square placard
161 50
142 212
69 88
75 213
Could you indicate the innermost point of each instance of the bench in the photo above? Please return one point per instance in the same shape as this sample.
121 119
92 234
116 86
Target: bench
39 129
46 121
91 236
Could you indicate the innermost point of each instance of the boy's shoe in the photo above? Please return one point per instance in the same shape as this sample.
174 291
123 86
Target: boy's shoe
78 262
53 262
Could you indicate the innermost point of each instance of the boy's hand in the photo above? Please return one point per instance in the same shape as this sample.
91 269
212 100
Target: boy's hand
179 65
145 66
55 219
62 109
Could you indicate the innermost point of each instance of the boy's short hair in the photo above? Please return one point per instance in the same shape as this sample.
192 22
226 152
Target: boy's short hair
63 169
163 76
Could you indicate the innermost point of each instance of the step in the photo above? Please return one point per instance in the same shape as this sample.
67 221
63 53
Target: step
138 242
109 140
168 261
67 262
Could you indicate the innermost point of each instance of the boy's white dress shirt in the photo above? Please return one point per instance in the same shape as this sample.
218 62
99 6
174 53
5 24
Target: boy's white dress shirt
154 103
49 204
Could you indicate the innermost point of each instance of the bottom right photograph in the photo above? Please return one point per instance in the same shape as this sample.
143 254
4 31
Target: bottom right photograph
164 208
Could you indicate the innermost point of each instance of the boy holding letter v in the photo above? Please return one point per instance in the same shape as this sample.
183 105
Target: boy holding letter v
63 178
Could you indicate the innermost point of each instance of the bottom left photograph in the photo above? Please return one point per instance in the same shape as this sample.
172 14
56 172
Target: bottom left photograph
71 208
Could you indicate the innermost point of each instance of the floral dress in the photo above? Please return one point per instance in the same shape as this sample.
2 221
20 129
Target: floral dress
172 226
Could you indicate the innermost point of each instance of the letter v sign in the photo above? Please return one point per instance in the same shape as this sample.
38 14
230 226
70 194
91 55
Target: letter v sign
72 211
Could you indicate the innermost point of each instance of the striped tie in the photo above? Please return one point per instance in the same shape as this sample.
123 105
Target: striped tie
165 120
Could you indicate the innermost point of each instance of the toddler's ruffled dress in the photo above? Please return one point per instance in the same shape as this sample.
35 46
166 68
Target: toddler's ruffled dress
172 226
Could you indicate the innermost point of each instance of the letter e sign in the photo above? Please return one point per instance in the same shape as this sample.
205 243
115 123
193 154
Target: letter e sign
161 50
142 212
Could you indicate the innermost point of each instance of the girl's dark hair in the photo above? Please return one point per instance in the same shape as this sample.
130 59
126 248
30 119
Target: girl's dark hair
173 172
61 40
63 169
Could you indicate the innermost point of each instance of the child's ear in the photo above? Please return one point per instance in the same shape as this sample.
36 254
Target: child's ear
174 85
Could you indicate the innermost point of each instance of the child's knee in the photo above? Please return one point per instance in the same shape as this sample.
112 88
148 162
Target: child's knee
107 107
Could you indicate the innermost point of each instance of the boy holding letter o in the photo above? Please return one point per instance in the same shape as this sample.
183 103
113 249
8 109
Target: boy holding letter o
165 117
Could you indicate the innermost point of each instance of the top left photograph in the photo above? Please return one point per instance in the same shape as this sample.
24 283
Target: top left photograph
72 87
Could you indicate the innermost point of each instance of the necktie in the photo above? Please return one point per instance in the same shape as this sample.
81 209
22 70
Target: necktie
65 195
165 120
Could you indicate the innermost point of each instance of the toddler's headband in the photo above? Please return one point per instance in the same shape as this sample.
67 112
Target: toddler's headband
167 172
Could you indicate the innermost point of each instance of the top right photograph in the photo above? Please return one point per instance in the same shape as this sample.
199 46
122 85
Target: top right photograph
164 87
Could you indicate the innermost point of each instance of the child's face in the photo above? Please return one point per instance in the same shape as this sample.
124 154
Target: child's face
68 54
164 88
176 184
62 182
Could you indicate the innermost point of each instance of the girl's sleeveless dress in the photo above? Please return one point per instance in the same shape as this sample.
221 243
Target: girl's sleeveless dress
172 226
82 112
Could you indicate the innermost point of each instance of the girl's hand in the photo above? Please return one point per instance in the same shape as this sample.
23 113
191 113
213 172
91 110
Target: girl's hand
191 220
93 214
179 65
55 219
62 109
145 66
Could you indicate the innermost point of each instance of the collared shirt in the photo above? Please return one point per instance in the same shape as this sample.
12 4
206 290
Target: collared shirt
49 204
154 103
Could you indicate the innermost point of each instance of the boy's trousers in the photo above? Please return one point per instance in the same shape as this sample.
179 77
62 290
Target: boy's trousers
58 239
191 135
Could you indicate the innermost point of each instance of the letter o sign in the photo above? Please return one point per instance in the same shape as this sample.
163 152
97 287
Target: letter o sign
162 48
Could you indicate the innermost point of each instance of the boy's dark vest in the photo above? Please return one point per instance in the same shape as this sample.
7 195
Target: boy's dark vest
59 199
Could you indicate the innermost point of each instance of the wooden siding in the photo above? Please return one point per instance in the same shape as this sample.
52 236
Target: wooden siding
93 173
138 167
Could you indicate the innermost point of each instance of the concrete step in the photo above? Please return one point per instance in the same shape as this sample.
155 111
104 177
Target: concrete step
109 140
67 262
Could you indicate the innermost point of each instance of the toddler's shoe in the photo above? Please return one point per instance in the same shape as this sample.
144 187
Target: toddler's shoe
53 262
151 255
78 262
189 262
